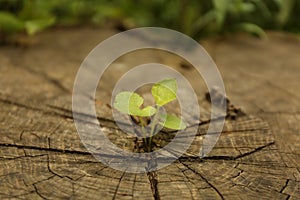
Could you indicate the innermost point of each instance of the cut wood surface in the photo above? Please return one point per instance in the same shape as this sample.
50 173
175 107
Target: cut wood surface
256 157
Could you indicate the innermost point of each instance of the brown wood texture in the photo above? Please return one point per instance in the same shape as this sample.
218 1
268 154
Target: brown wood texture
256 157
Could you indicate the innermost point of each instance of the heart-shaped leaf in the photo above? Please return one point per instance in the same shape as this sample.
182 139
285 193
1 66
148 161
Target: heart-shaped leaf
172 122
130 102
164 91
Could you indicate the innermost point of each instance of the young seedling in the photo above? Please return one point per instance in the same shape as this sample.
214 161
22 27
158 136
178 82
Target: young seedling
163 92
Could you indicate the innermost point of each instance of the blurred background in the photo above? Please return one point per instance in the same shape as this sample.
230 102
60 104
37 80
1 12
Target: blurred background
197 18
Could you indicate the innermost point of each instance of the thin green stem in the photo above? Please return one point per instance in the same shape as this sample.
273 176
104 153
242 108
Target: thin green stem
143 131
155 120
153 126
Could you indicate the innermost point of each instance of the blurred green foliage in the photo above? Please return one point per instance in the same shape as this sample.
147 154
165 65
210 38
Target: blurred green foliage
194 17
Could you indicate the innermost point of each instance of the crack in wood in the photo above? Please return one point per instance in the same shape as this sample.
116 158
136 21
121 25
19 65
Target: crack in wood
198 159
199 174
189 180
285 185
45 149
255 150
117 188
38 193
50 170
36 189
182 158
152 176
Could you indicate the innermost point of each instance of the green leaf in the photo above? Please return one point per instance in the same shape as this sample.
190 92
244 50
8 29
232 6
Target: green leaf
130 102
220 8
9 23
285 10
204 20
164 91
36 25
172 122
250 28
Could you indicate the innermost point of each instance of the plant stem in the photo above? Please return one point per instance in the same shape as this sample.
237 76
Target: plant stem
153 126
143 131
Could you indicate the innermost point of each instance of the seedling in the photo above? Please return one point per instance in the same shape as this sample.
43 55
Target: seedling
163 92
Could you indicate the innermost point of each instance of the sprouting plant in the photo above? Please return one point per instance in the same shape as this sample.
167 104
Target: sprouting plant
163 92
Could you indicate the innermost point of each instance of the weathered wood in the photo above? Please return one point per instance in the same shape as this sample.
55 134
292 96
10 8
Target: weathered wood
256 156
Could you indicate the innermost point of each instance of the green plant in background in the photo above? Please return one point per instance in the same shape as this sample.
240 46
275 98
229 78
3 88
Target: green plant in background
234 9
196 18
33 16
163 92
30 16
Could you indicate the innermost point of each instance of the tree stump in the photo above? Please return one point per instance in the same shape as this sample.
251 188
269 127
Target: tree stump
256 156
